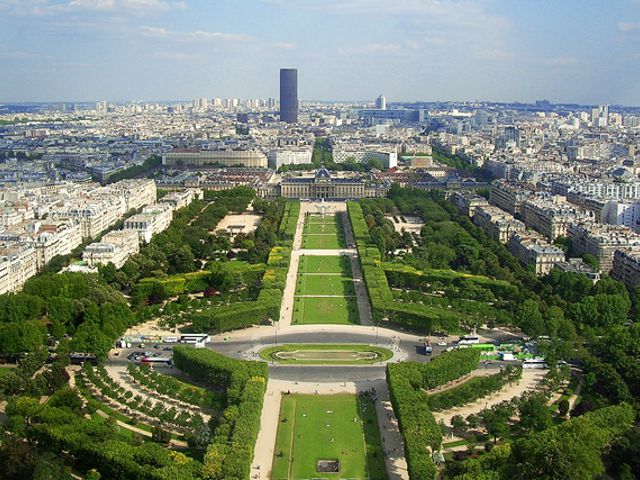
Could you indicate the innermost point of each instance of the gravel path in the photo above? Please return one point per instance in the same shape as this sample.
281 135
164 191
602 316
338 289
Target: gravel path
530 379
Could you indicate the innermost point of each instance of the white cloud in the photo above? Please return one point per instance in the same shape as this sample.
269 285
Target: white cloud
198 35
459 12
92 4
628 26
46 7
283 45
156 32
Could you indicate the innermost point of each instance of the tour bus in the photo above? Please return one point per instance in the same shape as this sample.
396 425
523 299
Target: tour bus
170 339
196 339
468 340
160 360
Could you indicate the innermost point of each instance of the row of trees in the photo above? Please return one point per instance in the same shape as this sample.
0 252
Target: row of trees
170 386
154 408
89 444
474 389
230 452
151 163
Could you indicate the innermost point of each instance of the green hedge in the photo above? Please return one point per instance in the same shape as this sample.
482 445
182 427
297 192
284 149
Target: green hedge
230 452
419 428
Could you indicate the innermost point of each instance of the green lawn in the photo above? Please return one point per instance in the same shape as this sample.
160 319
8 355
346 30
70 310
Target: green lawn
318 219
323 233
324 285
330 350
325 264
327 427
4 371
322 242
333 310
326 228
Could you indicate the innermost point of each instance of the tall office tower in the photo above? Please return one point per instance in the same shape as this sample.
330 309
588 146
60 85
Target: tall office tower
289 95
381 103
271 103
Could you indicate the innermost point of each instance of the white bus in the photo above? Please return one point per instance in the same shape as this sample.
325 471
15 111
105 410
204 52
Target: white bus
163 360
468 340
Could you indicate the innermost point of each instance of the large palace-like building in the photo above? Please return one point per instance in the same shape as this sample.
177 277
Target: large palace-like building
323 185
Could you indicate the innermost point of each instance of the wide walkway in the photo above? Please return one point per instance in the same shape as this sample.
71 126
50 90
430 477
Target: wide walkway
392 439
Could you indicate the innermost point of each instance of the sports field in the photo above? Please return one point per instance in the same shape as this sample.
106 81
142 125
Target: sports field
325 264
334 310
328 427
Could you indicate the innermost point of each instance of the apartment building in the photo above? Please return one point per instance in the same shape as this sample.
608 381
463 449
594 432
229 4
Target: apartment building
497 223
509 198
115 247
530 248
552 216
602 241
181 198
153 219
17 265
467 202
626 267
48 240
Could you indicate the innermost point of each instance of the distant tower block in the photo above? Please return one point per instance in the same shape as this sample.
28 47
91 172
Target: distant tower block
289 95
381 103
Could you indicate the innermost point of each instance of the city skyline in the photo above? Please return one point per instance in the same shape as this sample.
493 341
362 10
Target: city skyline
77 50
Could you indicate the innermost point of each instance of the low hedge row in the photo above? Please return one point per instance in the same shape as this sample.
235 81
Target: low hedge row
406 276
473 389
230 452
411 405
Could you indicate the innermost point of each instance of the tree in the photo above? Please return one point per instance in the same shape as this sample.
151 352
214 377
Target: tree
572 450
66 398
182 260
458 424
529 318
534 414
160 435
20 337
376 163
496 421
563 407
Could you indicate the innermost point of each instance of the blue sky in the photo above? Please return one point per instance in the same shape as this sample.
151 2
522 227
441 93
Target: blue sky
585 51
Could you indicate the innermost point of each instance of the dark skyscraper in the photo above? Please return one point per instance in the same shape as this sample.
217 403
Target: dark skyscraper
289 95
